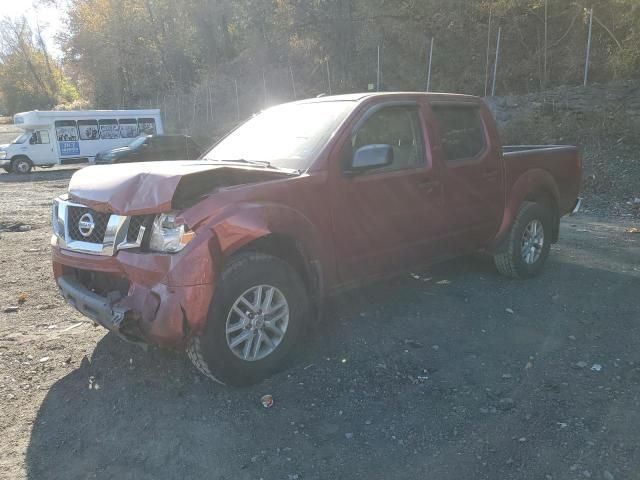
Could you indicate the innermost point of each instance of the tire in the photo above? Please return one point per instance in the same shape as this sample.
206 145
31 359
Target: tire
21 165
212 353
515 260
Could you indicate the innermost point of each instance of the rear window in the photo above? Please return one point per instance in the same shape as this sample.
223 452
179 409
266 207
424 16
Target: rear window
147 126
461 131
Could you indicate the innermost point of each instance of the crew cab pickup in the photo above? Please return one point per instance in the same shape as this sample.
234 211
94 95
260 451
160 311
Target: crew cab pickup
232 256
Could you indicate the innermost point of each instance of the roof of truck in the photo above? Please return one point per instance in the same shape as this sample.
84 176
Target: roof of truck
356 97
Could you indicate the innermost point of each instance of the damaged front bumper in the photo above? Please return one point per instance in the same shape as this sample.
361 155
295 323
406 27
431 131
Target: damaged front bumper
141 302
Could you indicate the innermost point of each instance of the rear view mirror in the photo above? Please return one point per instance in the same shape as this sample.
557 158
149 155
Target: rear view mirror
370 157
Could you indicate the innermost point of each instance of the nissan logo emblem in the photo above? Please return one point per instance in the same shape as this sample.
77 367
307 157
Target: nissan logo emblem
86 225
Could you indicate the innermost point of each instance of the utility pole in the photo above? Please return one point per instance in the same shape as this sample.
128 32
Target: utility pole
429 67
586 66
495 65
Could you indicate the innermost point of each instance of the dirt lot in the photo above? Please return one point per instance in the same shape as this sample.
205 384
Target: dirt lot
476 377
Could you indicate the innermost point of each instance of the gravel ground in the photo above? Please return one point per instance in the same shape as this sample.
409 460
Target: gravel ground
449 373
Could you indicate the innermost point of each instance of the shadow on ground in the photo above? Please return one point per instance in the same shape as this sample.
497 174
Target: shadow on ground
407 377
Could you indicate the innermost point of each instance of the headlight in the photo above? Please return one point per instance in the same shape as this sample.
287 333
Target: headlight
167 236
3 154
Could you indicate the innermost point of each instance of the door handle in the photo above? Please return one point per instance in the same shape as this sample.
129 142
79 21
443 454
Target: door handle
429 186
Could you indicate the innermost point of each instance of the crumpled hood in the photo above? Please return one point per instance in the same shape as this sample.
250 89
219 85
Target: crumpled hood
117 151
133 188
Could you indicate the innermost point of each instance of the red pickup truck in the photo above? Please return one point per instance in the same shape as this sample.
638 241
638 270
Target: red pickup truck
232 256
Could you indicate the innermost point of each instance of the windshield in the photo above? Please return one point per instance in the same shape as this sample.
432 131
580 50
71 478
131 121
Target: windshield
286 136
23 138
137 142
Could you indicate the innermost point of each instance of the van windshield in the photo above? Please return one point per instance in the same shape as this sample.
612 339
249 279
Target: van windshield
23 138
285 136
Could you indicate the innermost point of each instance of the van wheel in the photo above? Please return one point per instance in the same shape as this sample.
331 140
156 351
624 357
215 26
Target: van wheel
528 243
256 318
21 164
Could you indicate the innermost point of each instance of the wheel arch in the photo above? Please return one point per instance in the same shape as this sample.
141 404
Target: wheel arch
536 185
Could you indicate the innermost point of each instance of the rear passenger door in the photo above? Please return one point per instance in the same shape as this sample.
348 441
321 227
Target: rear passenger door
471 175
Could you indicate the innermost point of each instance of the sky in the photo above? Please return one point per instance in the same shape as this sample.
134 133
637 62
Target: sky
49 18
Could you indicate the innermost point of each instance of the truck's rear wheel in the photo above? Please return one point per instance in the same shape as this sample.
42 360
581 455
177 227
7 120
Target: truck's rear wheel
21 164
255 319
527 246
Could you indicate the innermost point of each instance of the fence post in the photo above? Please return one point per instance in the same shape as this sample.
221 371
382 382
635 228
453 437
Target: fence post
495 65
264 87
429 67
329 76
378 71
586 65
486 68
237 100
293 83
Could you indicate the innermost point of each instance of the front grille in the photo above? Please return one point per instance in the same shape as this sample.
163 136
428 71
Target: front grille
100 221
135 224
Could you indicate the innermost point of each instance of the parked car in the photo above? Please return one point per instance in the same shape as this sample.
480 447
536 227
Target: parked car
232 257
148 148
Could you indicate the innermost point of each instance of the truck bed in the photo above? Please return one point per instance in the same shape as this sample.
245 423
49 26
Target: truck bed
562 162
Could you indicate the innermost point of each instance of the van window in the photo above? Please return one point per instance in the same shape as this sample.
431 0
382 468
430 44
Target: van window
147 126
128 128
461 131
66 130
88 129
109 129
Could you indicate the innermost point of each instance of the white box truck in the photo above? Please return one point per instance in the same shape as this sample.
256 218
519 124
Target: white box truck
58 137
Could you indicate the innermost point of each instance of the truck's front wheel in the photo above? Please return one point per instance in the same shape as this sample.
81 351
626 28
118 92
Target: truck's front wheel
527 247
256 318
21 164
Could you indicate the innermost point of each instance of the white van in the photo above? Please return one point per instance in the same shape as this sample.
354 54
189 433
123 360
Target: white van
53 138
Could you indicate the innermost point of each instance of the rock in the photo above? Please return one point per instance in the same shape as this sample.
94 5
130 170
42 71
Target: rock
506 376
348 435
607 475
10 309
43 359
586 473
581 364
522 439
596 367
509 310
572 338
368 422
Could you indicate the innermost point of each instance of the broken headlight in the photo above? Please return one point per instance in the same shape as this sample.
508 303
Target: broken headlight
168 236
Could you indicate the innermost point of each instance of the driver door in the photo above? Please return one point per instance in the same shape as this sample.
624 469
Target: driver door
40 148
384 219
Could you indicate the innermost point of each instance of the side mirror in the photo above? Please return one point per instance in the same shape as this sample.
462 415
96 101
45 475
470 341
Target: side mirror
371 157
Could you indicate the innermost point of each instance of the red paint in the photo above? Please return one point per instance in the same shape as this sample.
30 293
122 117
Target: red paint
348 229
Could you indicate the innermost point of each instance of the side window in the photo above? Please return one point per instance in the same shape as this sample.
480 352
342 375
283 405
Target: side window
66 130
88 129
461 131
147 126
39 137
399 127
128 128
108 129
